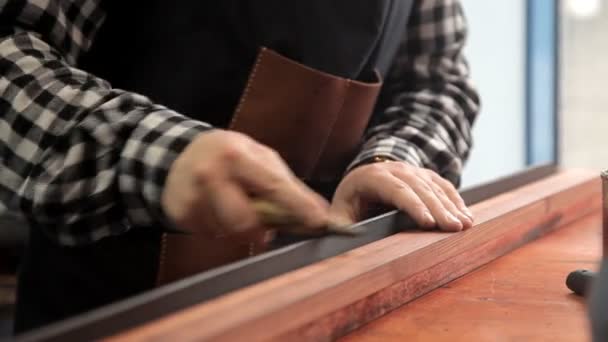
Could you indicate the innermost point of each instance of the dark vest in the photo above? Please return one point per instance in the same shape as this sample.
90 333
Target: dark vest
194 57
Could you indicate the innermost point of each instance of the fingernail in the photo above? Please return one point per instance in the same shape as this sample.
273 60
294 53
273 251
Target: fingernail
472 220
467 223
467 212
340 221
457 223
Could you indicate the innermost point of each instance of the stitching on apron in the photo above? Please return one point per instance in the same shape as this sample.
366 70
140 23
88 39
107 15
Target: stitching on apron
248 87
162 259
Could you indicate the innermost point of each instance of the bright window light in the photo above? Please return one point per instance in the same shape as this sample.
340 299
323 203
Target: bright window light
584 9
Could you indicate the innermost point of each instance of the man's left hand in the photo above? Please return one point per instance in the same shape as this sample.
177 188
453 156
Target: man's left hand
428 198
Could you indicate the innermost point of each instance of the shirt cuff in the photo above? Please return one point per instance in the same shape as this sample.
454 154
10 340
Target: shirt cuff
147 157
391 148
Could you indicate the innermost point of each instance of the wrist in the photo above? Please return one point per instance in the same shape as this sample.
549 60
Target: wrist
145 165
368 161
377 159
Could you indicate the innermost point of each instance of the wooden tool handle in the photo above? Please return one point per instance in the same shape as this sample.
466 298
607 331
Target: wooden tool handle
274 216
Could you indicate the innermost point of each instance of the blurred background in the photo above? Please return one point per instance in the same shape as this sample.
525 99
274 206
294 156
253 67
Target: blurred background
584 97
539 66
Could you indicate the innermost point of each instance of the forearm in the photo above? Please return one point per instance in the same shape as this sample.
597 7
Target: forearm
427 130
428 103
83 160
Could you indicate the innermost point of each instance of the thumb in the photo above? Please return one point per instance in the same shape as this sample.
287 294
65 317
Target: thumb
344 211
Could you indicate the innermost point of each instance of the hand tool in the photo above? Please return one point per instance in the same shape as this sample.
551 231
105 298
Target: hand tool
274 216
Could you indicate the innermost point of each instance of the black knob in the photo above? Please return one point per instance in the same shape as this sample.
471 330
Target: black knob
580 281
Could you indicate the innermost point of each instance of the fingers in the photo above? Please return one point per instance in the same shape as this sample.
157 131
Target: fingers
429 199
443 216
345 208
231 208
449 205
453 195
407 200
382 186
211 185
269 179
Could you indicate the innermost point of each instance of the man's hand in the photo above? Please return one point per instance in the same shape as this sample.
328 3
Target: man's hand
429 199
211 184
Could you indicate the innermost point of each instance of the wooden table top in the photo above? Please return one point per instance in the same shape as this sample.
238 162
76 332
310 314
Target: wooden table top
519 297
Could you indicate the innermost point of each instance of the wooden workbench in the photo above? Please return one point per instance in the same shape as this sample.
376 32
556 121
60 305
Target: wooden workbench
469 286
519 297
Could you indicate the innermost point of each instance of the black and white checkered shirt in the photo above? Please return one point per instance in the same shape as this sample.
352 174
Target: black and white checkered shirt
83 160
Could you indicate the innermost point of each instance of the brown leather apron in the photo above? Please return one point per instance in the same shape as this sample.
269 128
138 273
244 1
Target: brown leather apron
314 120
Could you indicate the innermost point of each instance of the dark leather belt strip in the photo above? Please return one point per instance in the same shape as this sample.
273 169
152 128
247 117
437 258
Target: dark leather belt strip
159 302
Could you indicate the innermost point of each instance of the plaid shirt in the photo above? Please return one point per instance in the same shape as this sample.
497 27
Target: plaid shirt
83 160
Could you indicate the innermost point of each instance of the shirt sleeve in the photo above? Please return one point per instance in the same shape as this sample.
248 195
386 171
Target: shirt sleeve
80 159
427 105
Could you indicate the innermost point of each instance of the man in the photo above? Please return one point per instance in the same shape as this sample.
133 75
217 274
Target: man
101 172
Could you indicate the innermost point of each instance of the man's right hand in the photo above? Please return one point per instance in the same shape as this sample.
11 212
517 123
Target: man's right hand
210 186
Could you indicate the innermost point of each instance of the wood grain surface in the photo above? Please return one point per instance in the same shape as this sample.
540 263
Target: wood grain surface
519 297
328 299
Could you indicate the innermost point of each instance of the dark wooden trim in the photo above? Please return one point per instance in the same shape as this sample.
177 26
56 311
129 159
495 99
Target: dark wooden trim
485 191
